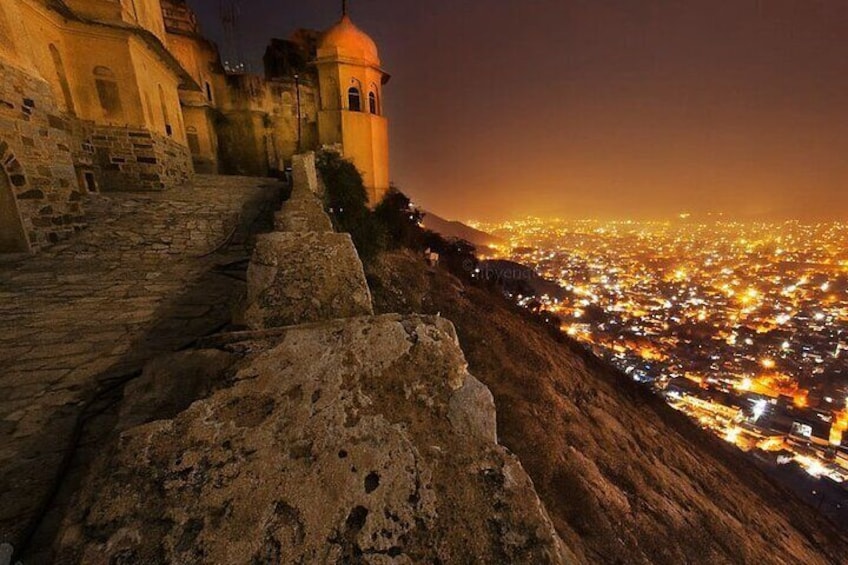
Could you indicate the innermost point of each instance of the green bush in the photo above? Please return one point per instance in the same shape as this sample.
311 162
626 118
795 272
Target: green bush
347 201
401 220
394 223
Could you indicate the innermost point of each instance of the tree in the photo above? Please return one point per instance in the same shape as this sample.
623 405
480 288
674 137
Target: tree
347 201
401 220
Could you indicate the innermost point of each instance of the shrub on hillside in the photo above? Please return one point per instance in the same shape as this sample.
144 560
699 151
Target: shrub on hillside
401 220
394 223
347 201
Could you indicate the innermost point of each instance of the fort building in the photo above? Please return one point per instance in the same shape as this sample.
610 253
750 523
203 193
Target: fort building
128 95
199 57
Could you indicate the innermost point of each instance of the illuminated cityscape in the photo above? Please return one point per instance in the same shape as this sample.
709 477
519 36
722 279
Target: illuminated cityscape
744 327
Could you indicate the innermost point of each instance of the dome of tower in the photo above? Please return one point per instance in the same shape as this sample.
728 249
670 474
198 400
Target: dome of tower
346 41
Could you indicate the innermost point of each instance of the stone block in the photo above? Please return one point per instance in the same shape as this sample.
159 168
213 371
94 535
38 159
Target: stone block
472 411
303 215
304 174
295 278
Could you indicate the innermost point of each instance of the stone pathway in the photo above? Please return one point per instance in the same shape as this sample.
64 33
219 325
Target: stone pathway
139 281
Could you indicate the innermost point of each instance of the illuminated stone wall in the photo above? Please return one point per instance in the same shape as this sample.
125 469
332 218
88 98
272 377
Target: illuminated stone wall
137 159
36 162
257 125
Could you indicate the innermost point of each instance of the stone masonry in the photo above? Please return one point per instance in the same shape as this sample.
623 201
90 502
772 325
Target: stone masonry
35 155
135 159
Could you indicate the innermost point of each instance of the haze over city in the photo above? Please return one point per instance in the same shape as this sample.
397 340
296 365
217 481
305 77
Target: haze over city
605 110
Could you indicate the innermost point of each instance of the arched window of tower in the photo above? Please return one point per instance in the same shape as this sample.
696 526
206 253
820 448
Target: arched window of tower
354 99
372 103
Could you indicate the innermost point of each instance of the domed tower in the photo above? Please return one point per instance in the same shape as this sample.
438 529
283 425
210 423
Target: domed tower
351 112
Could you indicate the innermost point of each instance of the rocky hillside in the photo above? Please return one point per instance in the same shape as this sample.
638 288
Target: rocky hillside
624 478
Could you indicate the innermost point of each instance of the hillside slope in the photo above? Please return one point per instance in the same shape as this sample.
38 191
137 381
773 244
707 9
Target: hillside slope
624 478
452 229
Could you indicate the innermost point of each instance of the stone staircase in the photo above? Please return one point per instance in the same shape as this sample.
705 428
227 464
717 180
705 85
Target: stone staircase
323 434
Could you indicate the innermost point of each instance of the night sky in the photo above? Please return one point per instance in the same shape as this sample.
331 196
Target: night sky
610 109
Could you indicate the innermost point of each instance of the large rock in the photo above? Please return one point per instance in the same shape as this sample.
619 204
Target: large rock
354 441
304 173
304 277
303 215
170 383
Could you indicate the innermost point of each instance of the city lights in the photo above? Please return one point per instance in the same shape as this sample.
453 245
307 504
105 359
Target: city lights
741 326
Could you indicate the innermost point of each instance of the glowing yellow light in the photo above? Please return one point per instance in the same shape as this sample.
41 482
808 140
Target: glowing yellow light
812 466
731 434
771 444
836 435
768 363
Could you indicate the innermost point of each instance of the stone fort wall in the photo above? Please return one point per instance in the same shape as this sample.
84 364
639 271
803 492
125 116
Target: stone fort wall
36 157
133 158
49 160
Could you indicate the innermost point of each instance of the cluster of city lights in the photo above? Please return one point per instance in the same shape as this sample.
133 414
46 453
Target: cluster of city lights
742 326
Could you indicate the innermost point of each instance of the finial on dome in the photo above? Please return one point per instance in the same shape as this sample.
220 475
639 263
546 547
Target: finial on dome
344 7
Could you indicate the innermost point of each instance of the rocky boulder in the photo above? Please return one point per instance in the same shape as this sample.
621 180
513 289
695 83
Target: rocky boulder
302 215
354 441
304 173
169 384
295 278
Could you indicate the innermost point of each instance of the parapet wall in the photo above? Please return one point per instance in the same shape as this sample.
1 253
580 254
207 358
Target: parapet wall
35 158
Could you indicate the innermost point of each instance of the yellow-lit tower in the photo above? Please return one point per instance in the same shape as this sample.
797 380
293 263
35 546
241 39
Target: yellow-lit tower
351 83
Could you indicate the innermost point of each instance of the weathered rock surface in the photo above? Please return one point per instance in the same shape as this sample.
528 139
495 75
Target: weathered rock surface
302 215
304 173
354 441
169 384
296 278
